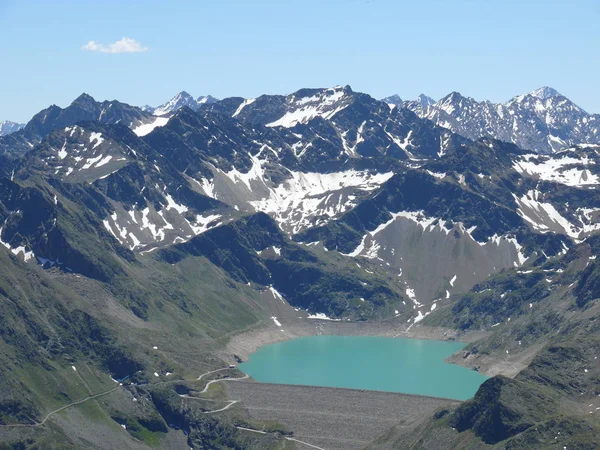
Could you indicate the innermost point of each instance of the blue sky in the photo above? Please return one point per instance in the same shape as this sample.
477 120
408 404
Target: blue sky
484 49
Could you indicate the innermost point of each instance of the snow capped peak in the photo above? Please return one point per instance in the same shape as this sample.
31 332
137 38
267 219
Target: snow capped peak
392 100
452 102
452 96
206 99
544 93
542 120
306 104
182 96
8 127
419 105
180 100
425 100
421 101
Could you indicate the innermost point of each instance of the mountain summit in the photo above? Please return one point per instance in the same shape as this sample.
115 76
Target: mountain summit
544 93
8 127
392 100
179 101
425 100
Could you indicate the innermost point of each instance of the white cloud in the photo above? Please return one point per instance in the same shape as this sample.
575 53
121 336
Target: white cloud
123 45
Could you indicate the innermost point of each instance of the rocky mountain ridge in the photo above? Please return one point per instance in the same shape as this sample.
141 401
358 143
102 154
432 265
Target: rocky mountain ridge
179 101
8 127
543 120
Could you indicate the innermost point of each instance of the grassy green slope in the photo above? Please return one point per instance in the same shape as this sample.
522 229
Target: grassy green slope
53 321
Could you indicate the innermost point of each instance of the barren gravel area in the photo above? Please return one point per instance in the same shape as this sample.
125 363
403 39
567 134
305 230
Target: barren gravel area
333 419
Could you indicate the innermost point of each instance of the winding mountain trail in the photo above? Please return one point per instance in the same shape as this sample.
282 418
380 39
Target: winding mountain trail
101 394
213 371
231 403
50 414
203 391
245 377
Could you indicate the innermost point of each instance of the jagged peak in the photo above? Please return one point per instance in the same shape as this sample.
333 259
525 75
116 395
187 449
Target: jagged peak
544 93
8 127
392 99
183 94
206 99
452 96
83 99
182 98
425 100
453 100
8 122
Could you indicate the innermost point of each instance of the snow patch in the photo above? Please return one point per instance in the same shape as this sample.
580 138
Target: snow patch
96 137
147 128
276 294
304 109
243 105
569 169
543 217
322 316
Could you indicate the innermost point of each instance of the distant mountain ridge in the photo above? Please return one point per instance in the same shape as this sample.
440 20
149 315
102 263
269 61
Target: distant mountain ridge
543 120
179 101
8 127
83 108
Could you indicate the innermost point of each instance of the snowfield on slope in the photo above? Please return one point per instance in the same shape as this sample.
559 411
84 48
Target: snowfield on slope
305 196
567 168
302 110
543 217
302 200
143 130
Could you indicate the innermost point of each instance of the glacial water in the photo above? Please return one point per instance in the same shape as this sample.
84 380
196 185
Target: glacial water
410 366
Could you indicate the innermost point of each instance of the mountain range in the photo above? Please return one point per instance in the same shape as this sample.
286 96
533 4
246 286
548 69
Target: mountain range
136 242
543 120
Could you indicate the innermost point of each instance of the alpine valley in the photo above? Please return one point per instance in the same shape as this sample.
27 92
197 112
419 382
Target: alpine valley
147 251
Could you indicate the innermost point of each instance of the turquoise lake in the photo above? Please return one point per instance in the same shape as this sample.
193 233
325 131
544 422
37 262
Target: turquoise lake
410 366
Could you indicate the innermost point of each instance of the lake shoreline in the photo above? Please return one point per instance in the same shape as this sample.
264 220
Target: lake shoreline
401 365
249 341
